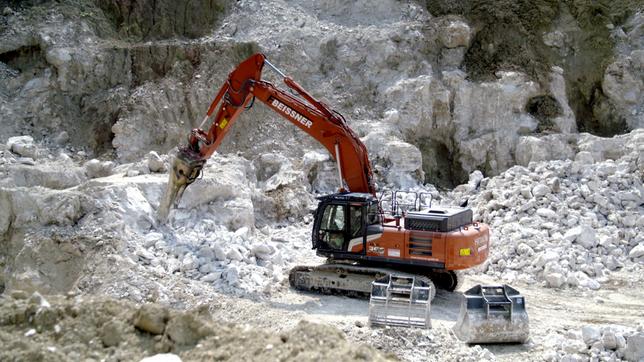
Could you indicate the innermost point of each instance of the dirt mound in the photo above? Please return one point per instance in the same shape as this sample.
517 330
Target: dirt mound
77 328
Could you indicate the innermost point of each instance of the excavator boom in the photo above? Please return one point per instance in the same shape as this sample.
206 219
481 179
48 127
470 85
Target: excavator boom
242 87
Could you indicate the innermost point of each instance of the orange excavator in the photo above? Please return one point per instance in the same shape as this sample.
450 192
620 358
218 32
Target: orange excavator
361 239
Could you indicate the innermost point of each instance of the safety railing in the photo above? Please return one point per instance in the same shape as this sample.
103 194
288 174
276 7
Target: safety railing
397 203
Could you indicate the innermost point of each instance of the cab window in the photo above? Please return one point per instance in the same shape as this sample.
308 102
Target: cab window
373 214
356 221
333 218
332 227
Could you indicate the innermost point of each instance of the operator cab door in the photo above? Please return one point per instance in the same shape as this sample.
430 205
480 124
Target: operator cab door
355 237
342 227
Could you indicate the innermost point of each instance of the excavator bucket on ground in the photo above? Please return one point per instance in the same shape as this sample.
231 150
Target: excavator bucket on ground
400 300
492 314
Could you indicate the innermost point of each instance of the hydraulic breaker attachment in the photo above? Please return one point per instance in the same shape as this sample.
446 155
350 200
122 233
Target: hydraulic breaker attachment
400 300
186 168
492 314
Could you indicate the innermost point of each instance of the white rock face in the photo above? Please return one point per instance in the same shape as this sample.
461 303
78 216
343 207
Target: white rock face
420 110
405 164
493 105
584 158
422 114
623 81
322 170
404 160
565 123
537 149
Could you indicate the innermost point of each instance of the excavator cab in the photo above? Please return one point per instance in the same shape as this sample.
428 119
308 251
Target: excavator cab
343 223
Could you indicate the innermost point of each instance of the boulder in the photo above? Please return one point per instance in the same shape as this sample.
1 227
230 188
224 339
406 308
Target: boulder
609 340
583 235
455 34
637 252
547 213
189 262
585 281
234 254
185 328
545 257
211 277
573 347
590 334
155 162
95 168
23 146
541 190
53 176
220 254
232 275
555 280
151 318
635 347
112 332
584 158
262 251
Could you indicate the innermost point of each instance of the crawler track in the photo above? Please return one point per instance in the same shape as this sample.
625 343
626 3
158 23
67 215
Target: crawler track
342 278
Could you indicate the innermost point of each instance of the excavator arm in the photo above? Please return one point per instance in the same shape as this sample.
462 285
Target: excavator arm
242 87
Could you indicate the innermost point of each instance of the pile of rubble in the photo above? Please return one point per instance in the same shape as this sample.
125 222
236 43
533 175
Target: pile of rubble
225 232
597 343
413 344
568 222
230 260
